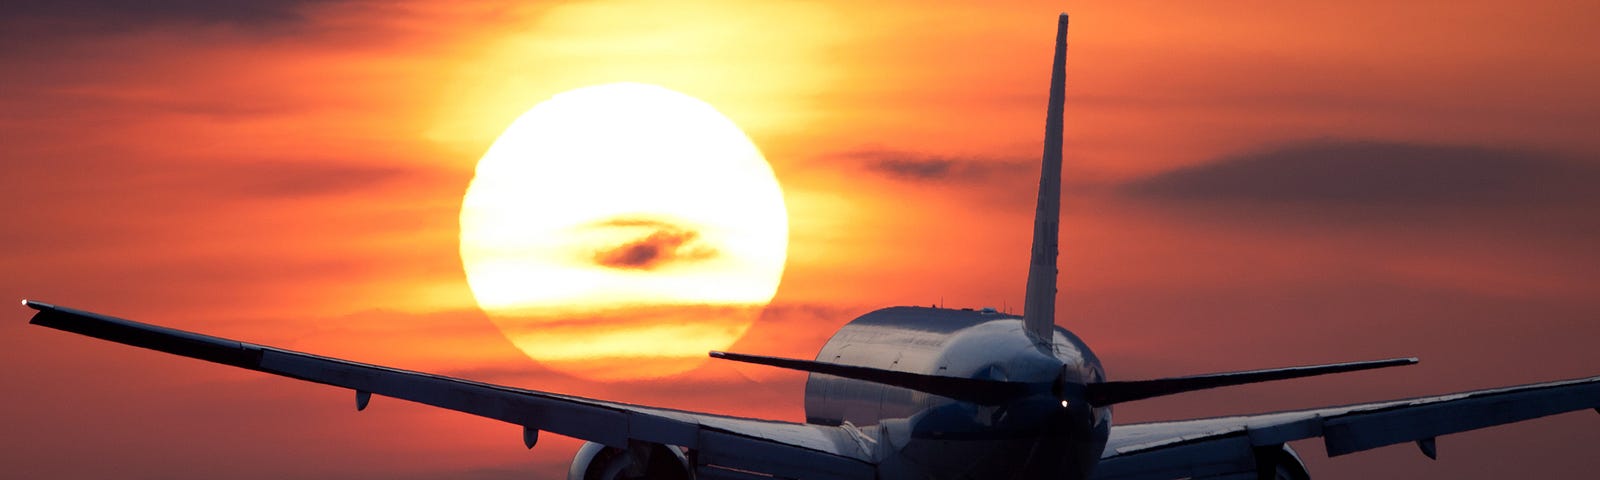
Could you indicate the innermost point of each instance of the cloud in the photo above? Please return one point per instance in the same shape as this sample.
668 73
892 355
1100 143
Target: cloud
215 180
41 30
1494 221
1376 173
280 180
914 167
666 243
118 14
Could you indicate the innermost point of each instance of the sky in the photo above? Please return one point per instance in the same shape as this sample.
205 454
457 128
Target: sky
1248 185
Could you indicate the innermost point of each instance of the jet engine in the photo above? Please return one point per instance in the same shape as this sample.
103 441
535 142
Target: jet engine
652 461
1280 463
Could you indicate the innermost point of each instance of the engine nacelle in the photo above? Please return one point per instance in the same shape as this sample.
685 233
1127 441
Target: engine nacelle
1280 463
640 460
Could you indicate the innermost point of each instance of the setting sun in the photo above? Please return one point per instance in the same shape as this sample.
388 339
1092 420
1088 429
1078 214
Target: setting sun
623 222
1245 185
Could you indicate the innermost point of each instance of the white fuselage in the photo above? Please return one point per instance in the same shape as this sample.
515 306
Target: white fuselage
920 435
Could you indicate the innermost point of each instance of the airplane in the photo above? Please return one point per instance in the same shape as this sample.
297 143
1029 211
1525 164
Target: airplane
917 393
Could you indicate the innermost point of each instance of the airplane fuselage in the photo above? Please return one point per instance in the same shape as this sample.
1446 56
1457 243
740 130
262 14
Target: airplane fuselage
920 435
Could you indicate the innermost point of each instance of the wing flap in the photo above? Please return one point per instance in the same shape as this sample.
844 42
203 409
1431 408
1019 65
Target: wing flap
589 422
1411 422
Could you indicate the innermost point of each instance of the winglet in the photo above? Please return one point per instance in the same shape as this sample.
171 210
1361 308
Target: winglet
1107 393
144 335
1039 307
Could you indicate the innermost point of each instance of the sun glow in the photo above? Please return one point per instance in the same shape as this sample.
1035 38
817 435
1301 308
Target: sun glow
623 222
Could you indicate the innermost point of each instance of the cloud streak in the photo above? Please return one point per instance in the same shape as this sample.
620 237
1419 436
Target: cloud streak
121 15
41 30
914 167
1364 172
665 244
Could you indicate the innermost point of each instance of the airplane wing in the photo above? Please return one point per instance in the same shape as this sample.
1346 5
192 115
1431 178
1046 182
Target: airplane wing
726 447
1250 445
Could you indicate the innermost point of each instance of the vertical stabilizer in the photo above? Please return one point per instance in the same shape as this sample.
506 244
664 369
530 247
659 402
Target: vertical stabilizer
1039 311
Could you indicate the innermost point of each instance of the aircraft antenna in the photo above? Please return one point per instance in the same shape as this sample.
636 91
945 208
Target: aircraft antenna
1039 309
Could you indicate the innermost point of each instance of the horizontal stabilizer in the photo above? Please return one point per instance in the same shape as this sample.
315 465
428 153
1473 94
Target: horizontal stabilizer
964 389
1108 393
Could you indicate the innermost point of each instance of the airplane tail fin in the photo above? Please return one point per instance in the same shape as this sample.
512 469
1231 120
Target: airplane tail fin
1039 309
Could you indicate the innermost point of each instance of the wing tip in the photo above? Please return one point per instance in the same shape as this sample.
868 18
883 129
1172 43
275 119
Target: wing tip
1392 362
37 305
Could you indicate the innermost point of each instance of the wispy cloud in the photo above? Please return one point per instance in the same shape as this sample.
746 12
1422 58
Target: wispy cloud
918 167
283 179
1494 221
1365 172
83 16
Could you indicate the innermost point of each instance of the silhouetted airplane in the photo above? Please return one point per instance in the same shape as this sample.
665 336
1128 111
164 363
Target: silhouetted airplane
918 393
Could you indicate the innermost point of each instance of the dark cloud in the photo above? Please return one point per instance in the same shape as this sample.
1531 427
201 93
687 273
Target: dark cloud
915 169
76 196
216 181
547 321
43 28
300 180
1377 173
814 312
933 168
132 14
665 243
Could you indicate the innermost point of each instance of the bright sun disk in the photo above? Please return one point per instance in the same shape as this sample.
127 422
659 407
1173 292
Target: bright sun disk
623 230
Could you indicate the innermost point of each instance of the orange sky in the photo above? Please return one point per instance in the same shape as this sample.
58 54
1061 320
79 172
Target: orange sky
1251 184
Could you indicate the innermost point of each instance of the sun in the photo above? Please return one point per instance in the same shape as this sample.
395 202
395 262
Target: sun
623 230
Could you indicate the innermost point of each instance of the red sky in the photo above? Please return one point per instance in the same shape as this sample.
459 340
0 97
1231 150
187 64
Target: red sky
1251 184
